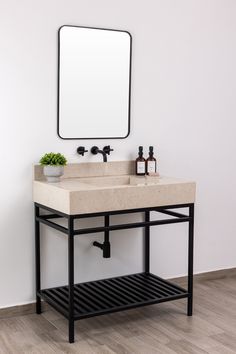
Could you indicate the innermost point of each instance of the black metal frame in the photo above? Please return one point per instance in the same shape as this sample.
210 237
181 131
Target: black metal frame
78 301
58 83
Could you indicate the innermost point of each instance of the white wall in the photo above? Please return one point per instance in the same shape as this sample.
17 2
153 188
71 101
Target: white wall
183 102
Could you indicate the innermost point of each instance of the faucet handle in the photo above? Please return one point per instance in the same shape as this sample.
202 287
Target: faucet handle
81 150
107 149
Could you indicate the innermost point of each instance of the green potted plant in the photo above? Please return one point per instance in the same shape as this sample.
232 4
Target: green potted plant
53 166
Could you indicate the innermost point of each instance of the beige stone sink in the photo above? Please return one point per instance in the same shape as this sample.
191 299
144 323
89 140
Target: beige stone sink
109 181
98 187
113 181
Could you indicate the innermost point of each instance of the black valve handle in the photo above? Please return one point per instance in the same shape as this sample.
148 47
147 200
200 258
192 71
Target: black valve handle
107 149
81 150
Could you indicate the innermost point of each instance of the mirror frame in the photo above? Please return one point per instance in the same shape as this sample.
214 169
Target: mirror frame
58 83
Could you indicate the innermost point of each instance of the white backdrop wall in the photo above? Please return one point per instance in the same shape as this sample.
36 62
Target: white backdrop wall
183 103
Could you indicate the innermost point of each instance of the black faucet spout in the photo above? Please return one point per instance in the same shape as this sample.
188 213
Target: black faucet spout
95 150
104 155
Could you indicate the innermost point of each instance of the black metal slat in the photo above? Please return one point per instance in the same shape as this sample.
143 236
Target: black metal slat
102 305
113 292
79 305
110 299
156 286
86 298
66 296
135 296
82 303
92 296
166 287
62 296
147 281
141 297
55 298
47 297
93 230
168 283
125 294
133 286
162 283
144 282
57 293
98 295
155 293
52 224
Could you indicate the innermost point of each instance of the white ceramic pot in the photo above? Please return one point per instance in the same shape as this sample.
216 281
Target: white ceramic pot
53 173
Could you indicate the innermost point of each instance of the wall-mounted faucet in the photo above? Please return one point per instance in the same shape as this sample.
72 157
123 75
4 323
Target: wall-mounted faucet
105 151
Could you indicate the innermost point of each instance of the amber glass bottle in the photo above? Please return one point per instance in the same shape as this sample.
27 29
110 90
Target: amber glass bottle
140 163
151 162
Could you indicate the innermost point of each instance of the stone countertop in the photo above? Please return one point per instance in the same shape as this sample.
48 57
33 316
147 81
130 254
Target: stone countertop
98 187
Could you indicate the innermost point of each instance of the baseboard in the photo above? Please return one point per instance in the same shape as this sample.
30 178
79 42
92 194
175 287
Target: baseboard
27 309
20 310
207 276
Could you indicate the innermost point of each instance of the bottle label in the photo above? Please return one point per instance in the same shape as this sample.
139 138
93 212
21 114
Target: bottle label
141 167
151 167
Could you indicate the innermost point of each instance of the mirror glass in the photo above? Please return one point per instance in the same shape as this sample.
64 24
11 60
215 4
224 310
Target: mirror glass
94 83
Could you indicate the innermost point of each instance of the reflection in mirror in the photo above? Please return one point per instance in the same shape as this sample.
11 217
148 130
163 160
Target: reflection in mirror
94 83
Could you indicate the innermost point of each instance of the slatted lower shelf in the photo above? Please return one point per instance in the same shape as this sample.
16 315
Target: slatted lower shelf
114 294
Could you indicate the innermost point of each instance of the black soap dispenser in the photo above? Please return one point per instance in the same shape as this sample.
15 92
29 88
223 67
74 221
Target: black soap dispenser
140 163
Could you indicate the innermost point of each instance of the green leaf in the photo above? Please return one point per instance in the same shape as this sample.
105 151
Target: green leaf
53 159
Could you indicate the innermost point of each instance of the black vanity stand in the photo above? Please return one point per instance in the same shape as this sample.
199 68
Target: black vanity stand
78 301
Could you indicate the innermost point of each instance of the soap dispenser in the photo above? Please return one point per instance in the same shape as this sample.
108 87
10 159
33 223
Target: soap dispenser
151 162
140 163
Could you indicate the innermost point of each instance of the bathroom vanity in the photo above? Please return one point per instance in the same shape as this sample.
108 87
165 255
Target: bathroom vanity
104 189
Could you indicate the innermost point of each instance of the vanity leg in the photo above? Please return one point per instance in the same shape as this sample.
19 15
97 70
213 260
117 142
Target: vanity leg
147 244
190 260
37 260
71 277
106 244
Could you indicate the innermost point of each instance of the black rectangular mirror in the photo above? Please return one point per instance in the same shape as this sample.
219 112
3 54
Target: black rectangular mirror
94 73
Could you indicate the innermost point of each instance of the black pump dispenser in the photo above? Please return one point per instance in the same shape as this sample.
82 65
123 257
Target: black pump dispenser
140 163
151 163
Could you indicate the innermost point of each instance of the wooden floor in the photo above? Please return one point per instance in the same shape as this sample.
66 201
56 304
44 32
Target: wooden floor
162 328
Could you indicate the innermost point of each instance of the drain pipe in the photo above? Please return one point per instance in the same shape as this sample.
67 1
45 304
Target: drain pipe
105 246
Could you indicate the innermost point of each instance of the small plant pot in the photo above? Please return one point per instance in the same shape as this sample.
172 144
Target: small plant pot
53 173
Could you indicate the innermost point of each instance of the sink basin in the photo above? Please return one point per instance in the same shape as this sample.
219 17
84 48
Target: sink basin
114 181
98 187
110 181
